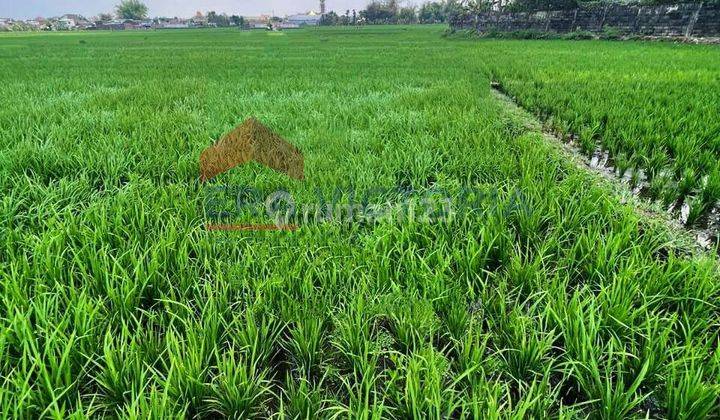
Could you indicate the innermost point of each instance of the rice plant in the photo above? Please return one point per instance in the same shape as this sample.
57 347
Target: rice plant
664 117
543 296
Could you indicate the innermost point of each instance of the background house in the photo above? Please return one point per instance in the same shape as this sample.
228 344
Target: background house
258 22
69 22
172 23
286 25
6 24
304 20
110 26
35 24
199 20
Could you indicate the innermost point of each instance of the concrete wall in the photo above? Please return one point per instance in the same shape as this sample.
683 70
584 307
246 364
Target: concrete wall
690 19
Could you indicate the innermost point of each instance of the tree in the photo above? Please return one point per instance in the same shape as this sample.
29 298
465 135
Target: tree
131 9
381 11
453 9
18 27
441 12
345 19
435 12
476 6
105 17
407 15
220 21
237 20
329 19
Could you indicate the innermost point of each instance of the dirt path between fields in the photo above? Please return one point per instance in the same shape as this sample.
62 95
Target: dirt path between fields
696 239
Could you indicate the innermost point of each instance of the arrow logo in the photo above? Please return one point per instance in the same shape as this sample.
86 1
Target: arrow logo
251 141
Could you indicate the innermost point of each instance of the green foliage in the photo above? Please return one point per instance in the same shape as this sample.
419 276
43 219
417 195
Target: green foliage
221 21
131 9
579 35
609 32
671 2
475 6
549 299
540 5
237 20
439 12
333 19
330 19
432 12
407 15
668 133
391 12
381 11
523 34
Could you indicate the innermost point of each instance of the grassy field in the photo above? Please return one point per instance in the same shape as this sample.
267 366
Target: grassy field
551 299
654 110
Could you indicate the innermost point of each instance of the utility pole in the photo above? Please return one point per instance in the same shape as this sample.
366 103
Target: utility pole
322 7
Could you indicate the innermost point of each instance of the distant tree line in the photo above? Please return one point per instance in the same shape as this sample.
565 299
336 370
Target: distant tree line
223 20
473 6
137 10
390 11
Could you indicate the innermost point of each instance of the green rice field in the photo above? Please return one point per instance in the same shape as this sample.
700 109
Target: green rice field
551 297
652 111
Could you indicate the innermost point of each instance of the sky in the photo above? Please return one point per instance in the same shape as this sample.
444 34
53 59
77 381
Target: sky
26 9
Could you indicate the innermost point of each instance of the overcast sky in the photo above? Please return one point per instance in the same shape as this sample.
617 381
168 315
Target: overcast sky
24 9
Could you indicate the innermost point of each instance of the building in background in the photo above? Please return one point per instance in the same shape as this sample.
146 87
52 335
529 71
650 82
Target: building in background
69 22
172 23
286 25
36 24
258 22
111 26
199 20
310 19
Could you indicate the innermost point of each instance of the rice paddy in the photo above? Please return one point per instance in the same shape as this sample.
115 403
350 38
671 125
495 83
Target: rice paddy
549 298
650 113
